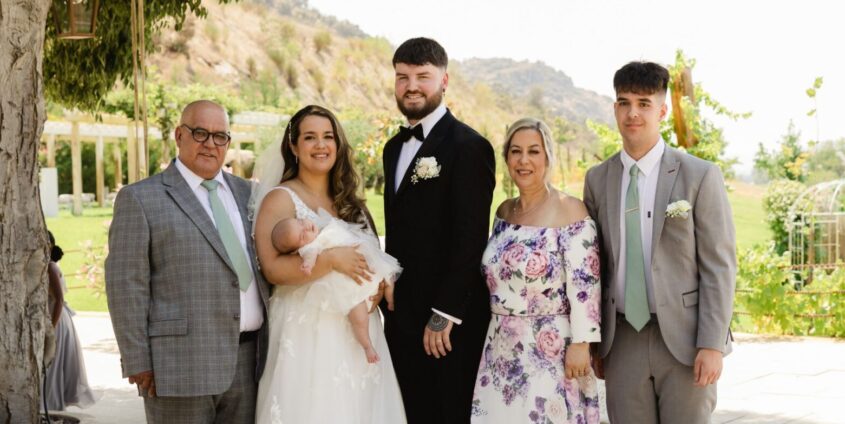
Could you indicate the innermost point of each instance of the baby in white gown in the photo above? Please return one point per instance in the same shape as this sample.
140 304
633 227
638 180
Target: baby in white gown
336 290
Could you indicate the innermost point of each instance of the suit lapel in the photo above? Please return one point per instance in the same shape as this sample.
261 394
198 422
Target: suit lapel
435 137
178 189
669 166
391 159
614 191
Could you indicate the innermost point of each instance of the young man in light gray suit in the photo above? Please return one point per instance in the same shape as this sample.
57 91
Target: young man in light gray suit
185 294
668 264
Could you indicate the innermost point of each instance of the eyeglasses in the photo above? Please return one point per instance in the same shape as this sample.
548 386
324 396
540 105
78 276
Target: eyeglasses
200 135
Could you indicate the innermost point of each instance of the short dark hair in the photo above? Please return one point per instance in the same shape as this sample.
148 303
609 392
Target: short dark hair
421 51
641 78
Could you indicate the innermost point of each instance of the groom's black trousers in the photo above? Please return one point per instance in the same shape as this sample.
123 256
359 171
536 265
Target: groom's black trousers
438 390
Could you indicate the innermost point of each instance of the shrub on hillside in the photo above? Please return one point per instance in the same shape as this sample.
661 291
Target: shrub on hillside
322 41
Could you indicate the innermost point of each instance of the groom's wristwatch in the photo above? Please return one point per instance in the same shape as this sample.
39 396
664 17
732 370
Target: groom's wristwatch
437 322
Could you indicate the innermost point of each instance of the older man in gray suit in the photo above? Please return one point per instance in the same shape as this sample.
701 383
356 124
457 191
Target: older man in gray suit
668 264
186 298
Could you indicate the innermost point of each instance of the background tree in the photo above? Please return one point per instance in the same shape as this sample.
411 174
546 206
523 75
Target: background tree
164 105
23 240
75 74
786 161
710 143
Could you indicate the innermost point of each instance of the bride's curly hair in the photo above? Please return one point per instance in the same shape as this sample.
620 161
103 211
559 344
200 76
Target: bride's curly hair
344 182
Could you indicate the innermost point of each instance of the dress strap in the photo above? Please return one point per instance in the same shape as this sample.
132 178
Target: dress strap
302 210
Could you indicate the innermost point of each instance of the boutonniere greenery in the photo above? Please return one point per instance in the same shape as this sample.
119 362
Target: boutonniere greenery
679 209
425 169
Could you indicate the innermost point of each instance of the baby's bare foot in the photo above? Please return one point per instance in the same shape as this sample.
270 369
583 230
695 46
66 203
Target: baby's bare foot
372 356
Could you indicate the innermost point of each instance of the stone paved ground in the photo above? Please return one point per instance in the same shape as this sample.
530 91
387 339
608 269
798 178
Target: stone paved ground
766 380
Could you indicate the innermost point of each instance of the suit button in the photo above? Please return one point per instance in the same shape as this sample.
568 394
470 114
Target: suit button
237 317
235 283
612 301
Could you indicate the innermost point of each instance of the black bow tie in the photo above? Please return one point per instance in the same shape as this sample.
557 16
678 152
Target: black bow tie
405 133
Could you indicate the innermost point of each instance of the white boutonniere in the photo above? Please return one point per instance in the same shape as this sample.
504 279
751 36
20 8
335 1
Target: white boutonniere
425 169
679 209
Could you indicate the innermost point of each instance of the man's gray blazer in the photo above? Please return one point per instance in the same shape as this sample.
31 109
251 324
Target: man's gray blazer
173 294
693 259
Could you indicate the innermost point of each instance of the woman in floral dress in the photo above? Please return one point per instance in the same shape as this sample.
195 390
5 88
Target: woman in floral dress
542 268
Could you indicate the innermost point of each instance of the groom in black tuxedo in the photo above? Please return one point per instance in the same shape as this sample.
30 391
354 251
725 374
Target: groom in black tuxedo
440 175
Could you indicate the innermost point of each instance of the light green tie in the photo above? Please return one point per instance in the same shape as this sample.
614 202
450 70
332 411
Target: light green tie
228 235
636 301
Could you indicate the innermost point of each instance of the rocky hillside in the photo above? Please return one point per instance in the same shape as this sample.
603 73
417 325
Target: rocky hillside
541 85
281 54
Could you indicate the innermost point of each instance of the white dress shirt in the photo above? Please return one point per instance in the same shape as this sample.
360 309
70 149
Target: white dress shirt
251 310
649 166
411 146
409 149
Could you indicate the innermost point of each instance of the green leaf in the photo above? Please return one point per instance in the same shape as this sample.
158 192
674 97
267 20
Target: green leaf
811 112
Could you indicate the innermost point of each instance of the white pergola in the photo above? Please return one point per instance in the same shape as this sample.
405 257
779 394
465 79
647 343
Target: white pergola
114 130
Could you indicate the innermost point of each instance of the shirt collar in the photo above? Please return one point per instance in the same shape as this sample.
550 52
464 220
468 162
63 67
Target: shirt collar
195 180
432 119
647 163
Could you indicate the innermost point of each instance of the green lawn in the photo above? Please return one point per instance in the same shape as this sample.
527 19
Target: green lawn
73 232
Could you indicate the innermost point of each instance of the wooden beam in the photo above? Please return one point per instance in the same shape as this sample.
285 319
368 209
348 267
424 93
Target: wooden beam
142 155
237 169
101 179
682 86
76 168
51 151
118 166
132 155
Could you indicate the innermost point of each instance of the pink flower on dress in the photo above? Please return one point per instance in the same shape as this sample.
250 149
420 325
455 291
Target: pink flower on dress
492 284
550 343
513 255
537 264
594 312
592 262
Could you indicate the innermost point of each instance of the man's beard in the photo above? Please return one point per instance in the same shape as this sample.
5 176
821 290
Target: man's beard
430 104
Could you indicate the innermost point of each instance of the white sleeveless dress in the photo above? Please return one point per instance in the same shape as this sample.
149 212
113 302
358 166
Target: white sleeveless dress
316 371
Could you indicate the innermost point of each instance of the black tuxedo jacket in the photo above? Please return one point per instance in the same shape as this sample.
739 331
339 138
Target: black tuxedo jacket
437 228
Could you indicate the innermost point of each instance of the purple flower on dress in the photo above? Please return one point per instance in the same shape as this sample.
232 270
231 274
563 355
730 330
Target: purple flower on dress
540 403
511 328
582 296
485 380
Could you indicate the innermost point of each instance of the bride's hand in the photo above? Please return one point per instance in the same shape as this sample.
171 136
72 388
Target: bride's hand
348 261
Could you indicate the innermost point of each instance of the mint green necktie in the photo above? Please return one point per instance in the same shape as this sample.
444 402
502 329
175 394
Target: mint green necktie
636 301
228 235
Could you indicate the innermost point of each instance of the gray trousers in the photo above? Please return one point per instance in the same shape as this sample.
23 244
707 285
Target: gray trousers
646 384
236 405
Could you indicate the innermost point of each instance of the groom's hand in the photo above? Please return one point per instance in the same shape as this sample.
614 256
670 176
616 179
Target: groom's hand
436 336
145 381
707 367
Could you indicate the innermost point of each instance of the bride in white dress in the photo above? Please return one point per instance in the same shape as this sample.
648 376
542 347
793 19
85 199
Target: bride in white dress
316 371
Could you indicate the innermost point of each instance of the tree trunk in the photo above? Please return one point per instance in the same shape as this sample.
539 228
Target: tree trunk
23 241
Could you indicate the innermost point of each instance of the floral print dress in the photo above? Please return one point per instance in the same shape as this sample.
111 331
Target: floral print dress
544 294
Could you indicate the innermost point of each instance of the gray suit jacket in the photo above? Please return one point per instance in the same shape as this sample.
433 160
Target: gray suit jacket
693 260
172 292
